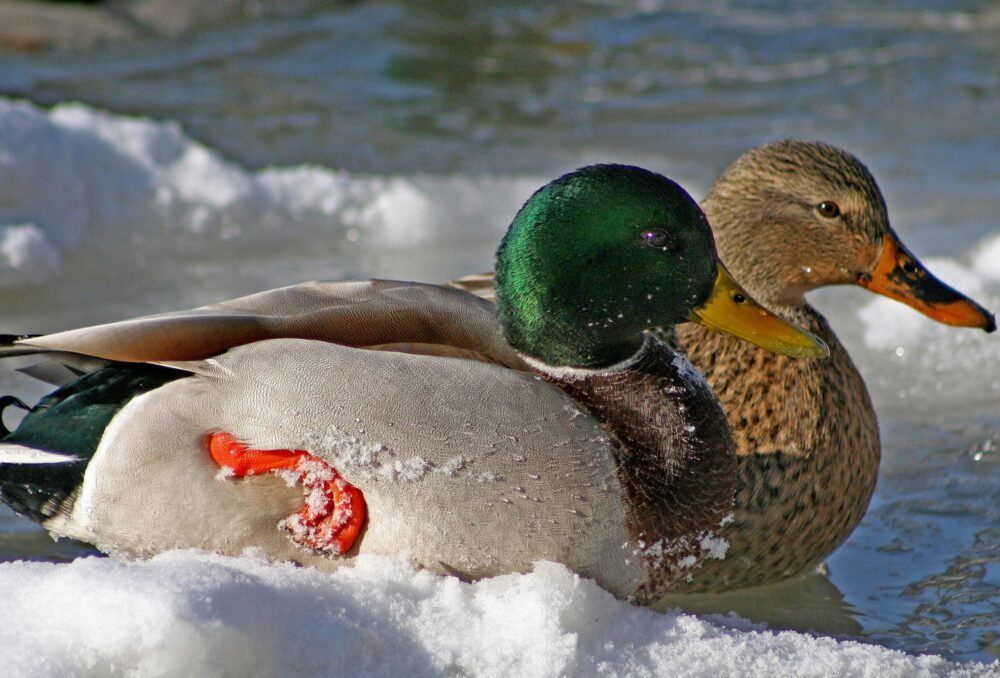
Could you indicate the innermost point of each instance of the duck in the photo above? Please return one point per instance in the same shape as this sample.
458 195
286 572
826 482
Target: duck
789 217
321 421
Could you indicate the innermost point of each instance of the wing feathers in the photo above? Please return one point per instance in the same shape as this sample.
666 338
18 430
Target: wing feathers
358 314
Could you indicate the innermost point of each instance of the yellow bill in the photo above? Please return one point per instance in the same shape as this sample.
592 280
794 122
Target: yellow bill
732 310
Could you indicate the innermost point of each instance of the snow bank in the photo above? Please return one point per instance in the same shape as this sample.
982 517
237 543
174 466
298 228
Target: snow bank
74 177
186 613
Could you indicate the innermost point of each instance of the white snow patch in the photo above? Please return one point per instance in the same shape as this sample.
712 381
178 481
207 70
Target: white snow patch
451 467
343 450
371 459
187 613
26 256
225 473
684 553
688 372
986 259
408 470
687 562
76 178
714 546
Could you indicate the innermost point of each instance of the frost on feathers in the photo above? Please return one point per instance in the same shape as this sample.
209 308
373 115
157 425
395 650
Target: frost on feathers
374 461
688 372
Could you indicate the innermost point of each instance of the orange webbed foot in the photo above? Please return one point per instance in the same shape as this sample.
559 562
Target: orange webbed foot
334 512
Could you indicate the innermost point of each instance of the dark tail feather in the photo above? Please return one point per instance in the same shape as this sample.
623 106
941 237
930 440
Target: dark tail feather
5 402
9 346
43 462
8 339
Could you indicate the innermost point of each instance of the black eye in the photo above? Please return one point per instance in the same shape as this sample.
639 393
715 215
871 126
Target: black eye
739 298
828 209
656 237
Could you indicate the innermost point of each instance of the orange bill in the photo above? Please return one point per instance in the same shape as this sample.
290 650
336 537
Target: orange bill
899 275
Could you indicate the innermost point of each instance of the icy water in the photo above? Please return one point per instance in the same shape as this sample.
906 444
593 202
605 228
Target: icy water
396 140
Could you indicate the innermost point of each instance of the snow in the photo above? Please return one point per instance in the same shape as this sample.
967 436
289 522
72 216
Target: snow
194 614
986 261
714 545
688 372
26 256
374 460
75 177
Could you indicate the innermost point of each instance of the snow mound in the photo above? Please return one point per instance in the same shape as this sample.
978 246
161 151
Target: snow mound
74 177
986 260
188 613
26 255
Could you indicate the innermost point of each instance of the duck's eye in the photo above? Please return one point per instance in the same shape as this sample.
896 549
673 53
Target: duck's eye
828 209
656 237
739 298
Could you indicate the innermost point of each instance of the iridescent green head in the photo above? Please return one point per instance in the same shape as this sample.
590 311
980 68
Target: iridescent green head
599 255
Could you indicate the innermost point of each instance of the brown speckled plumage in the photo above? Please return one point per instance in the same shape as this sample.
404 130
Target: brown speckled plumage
805 430
808 447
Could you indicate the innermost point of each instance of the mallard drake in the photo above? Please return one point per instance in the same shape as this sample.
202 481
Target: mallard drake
790 217
412 418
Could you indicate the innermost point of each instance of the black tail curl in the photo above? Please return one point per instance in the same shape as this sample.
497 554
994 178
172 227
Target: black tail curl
8 339
5 402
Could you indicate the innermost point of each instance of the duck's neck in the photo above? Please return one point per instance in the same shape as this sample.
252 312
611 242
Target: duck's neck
675 456
552 339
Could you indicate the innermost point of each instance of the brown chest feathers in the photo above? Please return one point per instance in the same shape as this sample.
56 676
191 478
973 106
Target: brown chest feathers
674 455
808 446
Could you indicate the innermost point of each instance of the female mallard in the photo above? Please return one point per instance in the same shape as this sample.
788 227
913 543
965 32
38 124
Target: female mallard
790 217
563 432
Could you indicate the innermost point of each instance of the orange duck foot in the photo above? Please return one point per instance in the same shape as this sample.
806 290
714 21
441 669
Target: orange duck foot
334 511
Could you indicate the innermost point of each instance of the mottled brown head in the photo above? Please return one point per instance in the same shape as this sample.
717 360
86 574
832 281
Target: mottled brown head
792 216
